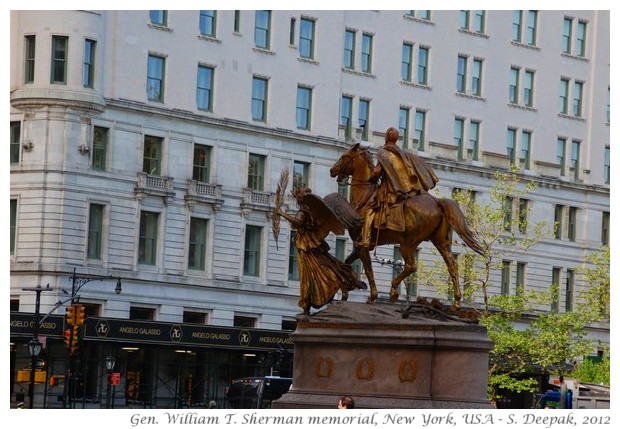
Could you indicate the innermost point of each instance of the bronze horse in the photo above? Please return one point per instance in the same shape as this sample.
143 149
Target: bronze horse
426 218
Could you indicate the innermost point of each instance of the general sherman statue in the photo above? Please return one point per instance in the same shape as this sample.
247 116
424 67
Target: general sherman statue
403 174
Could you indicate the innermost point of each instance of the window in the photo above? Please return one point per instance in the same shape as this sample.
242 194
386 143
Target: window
476 77
558 217
406 62
528 88
606 165
574 158
293 266
523 211
367 53
159 17
349 49
423 66
151 162
29 58
419 132
306 38
346 111
505 278
196 254
517 24
555 283
563 102
458 136
570 288
291 35
202 163
13 224
572 223
88 71
95 231
474 139
259 99
420 14
526 141
605 229
507 213
479 21
237 21
100 148
513 91
147 246
251 254
304 103
461 74
244 322
567 35
59 59
520 277
511 142
204 88
207 23
194 317
256 172
577 98
530 31
262 29
141 313
464 20
403 125
155 78
580 46
300 174
476 25
16 128
561 155
363 118
530 26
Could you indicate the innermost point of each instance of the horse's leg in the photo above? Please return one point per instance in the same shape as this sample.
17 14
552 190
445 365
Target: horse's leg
442 240
364 256
408 253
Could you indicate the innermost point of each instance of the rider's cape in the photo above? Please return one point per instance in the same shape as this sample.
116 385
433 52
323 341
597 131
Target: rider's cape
407 172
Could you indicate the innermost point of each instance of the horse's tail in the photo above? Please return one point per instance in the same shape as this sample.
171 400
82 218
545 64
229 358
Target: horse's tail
457 220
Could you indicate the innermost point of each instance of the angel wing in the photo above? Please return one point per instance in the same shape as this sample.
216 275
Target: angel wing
324 218
343 210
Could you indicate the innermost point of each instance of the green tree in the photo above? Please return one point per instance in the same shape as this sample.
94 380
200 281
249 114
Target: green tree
528 337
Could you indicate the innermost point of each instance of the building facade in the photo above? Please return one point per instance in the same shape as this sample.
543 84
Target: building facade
147 146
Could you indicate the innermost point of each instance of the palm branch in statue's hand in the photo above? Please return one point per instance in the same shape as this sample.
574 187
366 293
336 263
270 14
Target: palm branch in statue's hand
279 202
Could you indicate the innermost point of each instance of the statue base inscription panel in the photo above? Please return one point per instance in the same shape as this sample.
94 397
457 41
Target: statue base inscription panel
387 356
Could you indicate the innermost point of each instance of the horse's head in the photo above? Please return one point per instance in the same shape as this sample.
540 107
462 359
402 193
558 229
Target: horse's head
346 164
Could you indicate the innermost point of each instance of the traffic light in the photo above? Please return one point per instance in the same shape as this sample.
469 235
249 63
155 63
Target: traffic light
67 337
76 336
71 315
80 314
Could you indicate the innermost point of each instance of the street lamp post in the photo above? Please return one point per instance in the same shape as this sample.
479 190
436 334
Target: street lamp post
34 346
109 366
76 284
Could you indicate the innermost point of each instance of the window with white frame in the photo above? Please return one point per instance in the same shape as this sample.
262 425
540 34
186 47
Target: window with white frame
575 158
472 20
511 145
207 23
606 165
403 125
196 254
569 290
155 78
349 49
520 277
524 27
474 140
262 29
95 231
561 155
366 53
301 173
306 38
60 53
364 118
204 88
459 125
29 58
88 69
16 128
605 228
505 287
151 160
524 209
574 37
346 111
201 171
303 108
419 131
558 221
147 245
13 224
423 54
507 208
259 99
251 250
526 143
556 274
159 17
100 147
406 62
572 224
256 172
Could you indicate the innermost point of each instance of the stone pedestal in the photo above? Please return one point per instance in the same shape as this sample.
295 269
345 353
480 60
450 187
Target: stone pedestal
383 360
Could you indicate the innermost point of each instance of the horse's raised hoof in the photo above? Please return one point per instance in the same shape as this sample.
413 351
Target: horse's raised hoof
371 300
393 296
